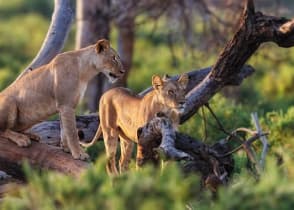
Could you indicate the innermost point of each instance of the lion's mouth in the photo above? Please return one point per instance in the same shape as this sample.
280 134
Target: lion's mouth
112 77
181 109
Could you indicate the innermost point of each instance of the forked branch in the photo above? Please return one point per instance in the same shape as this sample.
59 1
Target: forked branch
254 29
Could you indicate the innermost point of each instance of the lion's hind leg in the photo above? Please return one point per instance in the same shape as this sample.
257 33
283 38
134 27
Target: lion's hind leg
20 139
110 140
126 149
8 118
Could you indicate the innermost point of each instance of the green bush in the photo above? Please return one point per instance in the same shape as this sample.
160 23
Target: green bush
20 45
144 189
15 7
153 188
274 190
280 125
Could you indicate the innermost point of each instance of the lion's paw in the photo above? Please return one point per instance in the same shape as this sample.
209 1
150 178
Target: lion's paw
23 141
81 155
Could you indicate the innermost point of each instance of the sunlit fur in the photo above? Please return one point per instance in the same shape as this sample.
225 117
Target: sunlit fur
122 113
55 87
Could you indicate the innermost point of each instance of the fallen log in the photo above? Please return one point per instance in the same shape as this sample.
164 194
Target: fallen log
38 155
49 131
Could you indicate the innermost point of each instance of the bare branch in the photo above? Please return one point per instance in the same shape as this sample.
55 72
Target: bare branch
254 29
160 126
262 137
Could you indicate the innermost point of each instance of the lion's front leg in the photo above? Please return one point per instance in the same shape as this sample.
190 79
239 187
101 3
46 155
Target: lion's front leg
69 133
63 139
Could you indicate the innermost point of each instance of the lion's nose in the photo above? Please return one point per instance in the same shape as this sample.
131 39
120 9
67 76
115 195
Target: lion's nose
182 103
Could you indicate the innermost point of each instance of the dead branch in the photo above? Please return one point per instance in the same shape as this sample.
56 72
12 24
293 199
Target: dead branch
160 127
262 138
255 29
158 136
56 35
196 77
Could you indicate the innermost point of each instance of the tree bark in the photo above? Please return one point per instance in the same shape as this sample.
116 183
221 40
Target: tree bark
56 35
49 131
157 138
125 43
38 155
93 23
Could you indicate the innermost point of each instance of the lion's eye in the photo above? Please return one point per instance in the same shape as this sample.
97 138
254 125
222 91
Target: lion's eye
170 92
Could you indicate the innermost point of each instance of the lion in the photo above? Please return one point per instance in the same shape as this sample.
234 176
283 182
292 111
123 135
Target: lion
122 113
56 87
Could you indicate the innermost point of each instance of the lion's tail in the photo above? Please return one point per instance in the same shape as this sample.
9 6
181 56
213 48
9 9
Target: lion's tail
96 137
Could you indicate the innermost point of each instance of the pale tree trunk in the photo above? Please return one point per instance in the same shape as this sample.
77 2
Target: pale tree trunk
93 23
56 36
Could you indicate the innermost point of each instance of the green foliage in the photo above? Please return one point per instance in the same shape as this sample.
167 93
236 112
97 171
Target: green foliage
153 56
144 189
273 191
280 124
15 7
20 45
152 188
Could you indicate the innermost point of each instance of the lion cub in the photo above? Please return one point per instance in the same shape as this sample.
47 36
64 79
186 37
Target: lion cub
122 113
56 87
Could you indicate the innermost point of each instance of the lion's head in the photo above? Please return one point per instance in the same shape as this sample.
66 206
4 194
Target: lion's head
171 93
109 60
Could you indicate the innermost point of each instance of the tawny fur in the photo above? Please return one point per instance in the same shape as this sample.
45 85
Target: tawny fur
55 87
122 113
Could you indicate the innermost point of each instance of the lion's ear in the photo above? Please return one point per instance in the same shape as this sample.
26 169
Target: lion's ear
166 77
157 82
183 81
101 45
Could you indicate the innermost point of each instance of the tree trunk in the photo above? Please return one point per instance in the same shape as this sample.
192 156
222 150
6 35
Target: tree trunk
93 23
56 35
125 43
